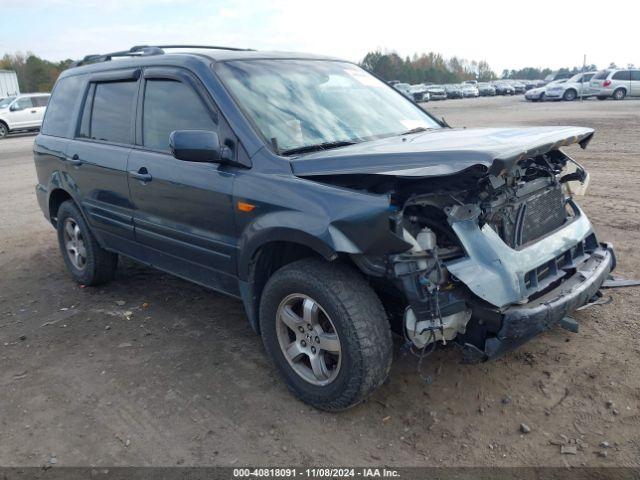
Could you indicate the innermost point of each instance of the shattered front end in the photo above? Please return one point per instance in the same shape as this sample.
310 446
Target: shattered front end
495 258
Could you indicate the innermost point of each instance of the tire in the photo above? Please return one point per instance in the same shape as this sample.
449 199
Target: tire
89 264
356 319
570 95
602 98
619 94
4 130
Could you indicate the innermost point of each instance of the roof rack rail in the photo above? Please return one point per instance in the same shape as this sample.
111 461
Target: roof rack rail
137 51
146 50
212 47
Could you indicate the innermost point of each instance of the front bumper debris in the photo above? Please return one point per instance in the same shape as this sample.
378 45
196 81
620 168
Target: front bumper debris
522 322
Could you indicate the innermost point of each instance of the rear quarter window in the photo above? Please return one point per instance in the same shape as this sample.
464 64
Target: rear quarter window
635 75
623 75
60 110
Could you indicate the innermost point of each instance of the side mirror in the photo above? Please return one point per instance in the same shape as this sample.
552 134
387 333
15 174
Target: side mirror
201 146
15 107
195 146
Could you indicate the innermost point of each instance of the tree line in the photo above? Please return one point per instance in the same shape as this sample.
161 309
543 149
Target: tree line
34 74
38 75
426 68
434 68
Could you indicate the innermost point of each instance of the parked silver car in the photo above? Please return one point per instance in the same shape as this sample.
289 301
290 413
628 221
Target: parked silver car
616 84
419 93
469 90
486 90
436 92
539 94
576 87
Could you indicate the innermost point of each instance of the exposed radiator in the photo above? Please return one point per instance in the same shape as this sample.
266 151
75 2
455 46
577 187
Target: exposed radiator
540 214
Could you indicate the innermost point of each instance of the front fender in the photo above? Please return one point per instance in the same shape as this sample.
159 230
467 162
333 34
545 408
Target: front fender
327 219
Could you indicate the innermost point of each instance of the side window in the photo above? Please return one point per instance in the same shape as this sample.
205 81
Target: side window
108 112
40 101
635 75
587 77
24 102
171 105
622 75
60 111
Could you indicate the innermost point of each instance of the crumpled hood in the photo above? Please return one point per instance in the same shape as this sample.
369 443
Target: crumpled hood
440 152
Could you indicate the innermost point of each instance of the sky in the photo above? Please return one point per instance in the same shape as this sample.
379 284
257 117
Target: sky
507 34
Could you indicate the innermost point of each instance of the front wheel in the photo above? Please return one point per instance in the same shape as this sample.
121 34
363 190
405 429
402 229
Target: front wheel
86 260
327 333
4 130
570 95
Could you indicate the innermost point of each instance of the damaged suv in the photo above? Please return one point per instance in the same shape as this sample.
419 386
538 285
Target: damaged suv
336 209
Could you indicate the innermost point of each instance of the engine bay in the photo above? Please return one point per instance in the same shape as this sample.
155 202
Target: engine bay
521 205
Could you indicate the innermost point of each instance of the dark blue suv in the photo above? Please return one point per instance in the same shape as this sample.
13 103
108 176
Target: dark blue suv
335 208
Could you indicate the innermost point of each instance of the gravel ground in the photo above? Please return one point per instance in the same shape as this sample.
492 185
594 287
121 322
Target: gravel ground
152 370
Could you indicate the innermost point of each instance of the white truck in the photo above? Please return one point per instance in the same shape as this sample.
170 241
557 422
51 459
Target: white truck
8 84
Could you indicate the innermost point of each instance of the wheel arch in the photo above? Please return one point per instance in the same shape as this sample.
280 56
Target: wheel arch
57 197
258 263
571 89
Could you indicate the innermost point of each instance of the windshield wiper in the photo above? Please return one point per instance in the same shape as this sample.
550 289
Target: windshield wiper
416 130
317 147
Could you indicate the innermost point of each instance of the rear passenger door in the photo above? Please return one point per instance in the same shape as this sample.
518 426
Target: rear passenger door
40 106
183 210
97 157
635 83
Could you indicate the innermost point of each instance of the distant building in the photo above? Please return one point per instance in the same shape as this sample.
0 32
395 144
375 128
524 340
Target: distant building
8 84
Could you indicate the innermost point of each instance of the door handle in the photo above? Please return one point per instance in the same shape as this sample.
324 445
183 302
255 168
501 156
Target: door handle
33 111
75 160
142 174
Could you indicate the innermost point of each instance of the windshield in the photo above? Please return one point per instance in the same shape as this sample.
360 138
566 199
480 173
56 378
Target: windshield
5 102
304 103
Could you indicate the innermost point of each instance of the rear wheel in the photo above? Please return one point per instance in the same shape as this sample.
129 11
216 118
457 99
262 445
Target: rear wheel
619 94
327 333
4 130
85 259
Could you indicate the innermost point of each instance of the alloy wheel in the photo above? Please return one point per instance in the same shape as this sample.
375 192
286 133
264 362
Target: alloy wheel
308 339
74 244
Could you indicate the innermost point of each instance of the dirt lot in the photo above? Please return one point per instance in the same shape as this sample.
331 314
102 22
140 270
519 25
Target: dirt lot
151 370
